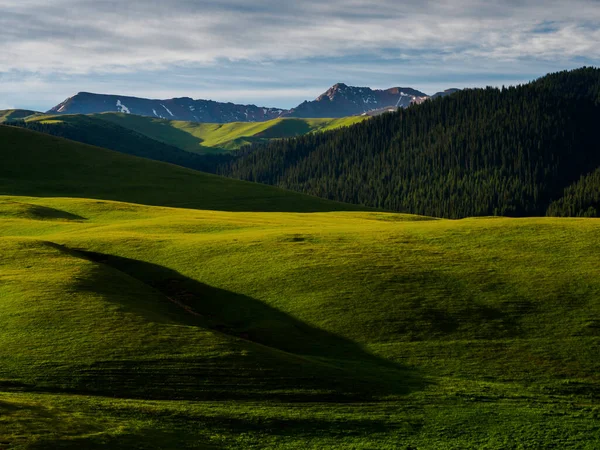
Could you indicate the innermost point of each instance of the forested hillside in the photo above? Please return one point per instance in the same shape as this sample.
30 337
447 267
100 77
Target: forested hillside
513 151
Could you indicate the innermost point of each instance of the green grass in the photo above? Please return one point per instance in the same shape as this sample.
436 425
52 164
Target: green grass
211 138
130 326
40 165
7 115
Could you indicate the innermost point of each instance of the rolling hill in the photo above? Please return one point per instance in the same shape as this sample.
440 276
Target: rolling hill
9 115
131 326
207 137
36 164
132 134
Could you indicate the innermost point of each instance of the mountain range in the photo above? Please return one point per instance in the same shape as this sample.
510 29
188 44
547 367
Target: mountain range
338 101
183 108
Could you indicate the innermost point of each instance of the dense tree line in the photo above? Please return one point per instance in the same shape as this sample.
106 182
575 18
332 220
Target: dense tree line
517 151
581 199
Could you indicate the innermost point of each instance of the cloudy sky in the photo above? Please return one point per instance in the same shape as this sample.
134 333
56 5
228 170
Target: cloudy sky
280 52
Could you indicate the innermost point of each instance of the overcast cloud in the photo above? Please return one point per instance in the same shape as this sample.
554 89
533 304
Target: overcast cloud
280 52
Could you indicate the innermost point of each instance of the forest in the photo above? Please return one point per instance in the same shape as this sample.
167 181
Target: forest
529 150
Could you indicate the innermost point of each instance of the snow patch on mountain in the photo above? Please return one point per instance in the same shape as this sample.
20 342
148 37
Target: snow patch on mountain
122 108
172 115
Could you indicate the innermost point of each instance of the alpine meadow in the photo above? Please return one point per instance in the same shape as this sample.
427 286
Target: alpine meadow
353 267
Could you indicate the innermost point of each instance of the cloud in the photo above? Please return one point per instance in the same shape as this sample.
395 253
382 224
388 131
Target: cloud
83 36
282 51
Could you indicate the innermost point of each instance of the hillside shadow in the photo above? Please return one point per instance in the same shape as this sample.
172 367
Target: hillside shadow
164 131
317 357
21 210
285 129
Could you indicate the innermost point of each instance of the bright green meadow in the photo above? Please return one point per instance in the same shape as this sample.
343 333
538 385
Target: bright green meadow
6 115
208 137
143 310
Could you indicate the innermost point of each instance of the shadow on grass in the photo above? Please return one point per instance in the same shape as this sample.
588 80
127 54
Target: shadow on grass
22 210
298 361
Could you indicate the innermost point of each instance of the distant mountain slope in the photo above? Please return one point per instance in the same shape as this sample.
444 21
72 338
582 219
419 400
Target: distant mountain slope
173 141
9 115
36 164
478 152
207 137
101 133
342 100
337 102
184 108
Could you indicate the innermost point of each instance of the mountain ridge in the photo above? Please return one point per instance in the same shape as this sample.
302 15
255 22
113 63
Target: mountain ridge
180 108
338 101
343 100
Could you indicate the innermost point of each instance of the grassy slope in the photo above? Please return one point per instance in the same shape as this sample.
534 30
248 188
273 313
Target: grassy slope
40 165
208 137
13 114
479 333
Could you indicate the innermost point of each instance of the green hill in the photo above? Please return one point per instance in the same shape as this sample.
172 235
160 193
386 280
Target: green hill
40 165
95 131
9 115
130 326
204 137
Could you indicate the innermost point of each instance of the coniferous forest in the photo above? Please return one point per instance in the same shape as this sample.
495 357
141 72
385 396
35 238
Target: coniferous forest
530 150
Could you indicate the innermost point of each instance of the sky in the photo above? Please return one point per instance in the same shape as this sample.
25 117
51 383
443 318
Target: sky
279 52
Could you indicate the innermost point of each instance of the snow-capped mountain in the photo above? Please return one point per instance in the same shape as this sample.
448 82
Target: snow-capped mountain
183 108
342 100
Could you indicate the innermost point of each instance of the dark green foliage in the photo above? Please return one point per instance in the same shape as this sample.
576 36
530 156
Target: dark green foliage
581 199
510 151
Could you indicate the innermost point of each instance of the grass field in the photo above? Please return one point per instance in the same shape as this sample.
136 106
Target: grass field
214 138
146 327
135 327
40 165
